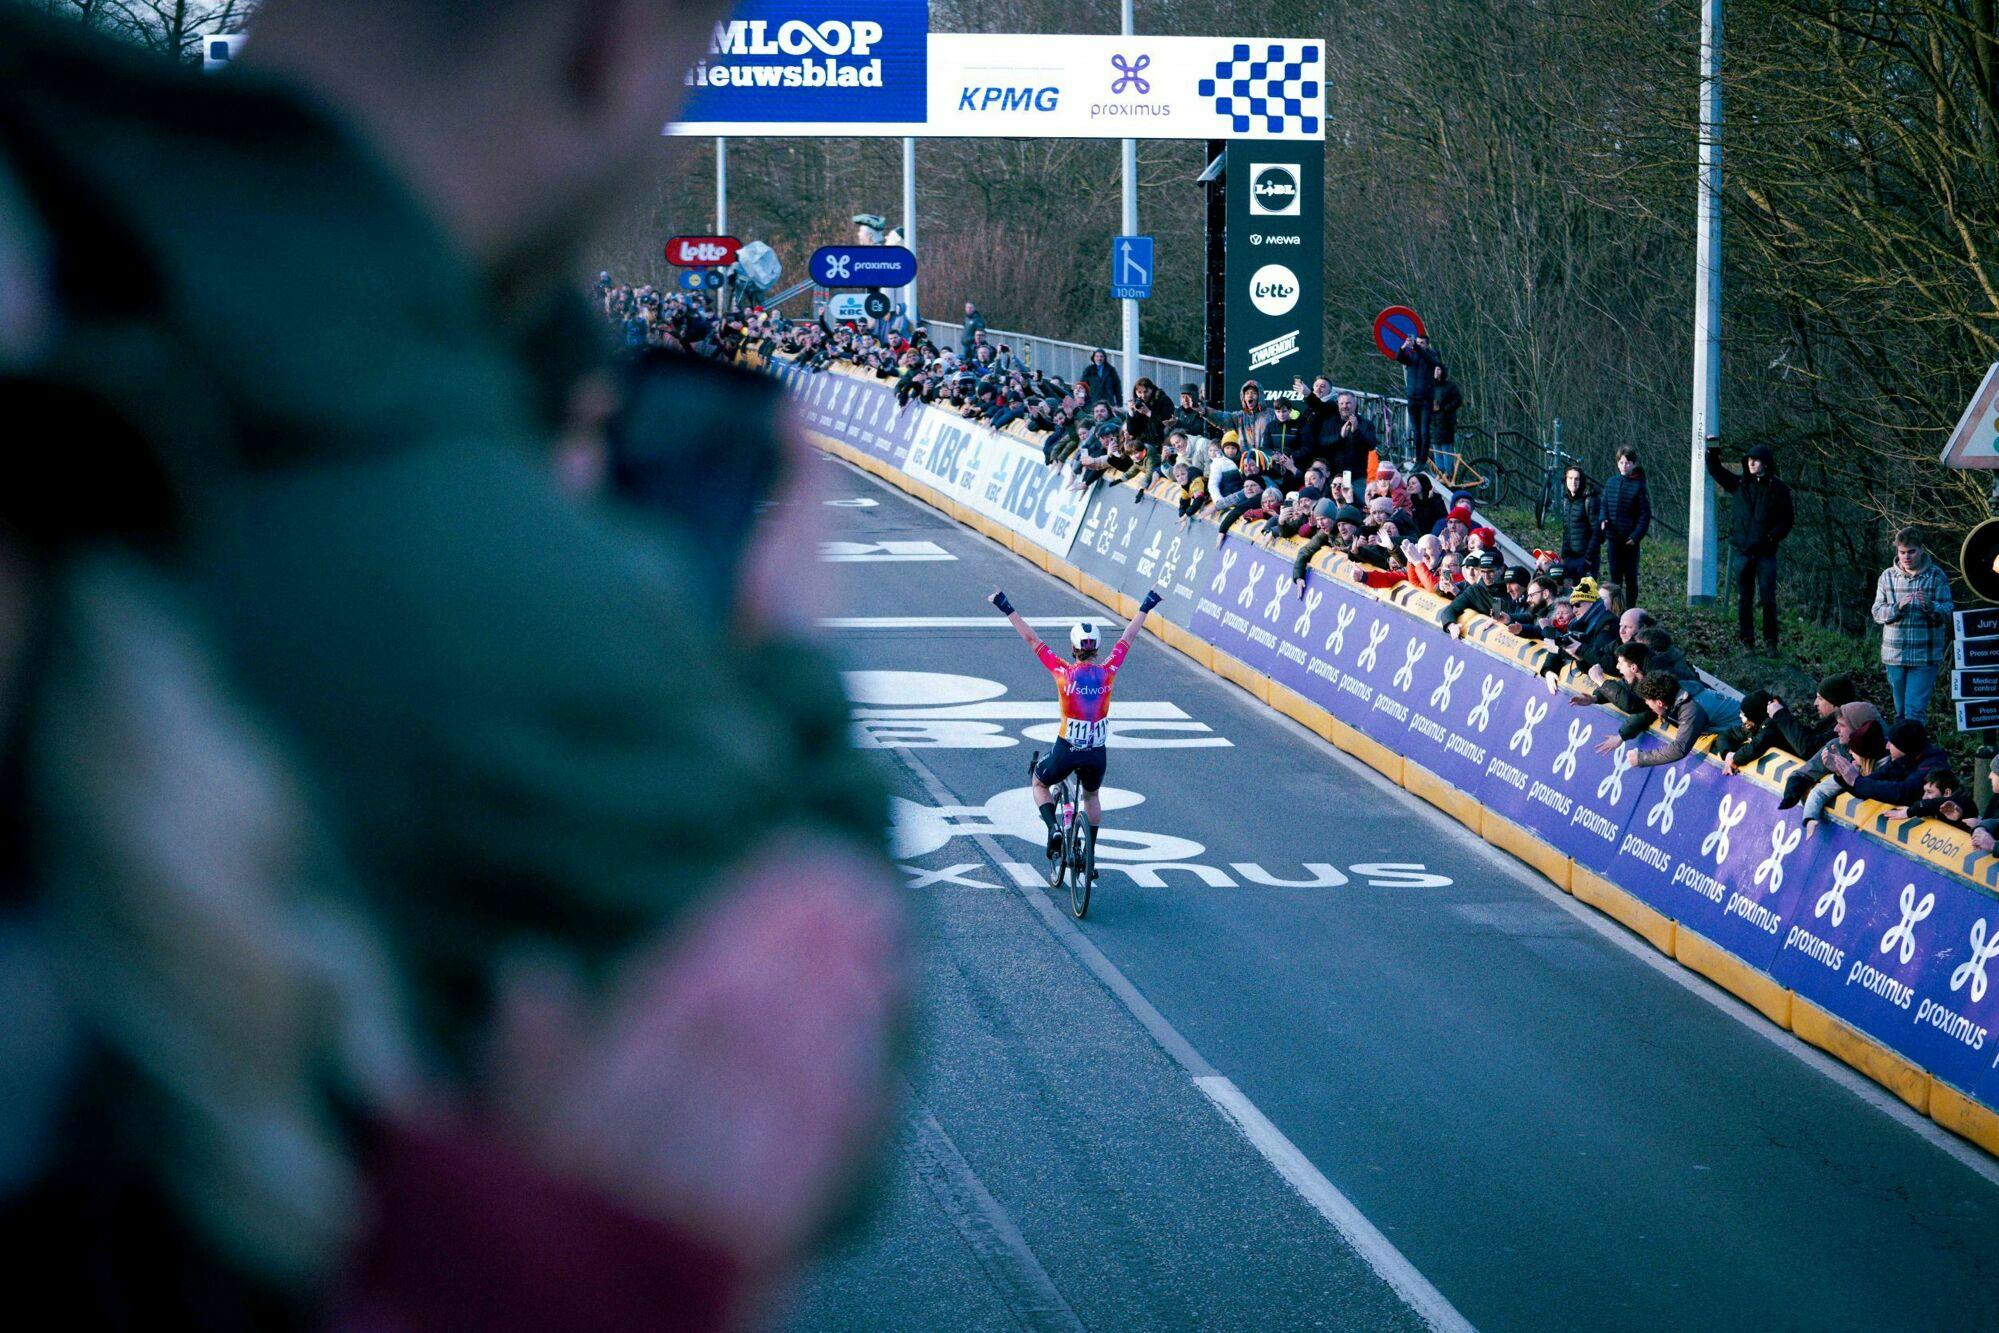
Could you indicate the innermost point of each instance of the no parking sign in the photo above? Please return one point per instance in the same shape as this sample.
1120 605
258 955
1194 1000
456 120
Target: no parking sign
1395 326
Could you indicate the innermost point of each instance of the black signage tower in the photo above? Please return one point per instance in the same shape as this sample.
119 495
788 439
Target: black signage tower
1266 267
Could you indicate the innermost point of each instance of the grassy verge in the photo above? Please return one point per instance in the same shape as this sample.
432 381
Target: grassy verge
1807 650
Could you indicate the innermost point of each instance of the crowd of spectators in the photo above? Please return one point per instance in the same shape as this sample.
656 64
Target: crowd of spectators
1310 465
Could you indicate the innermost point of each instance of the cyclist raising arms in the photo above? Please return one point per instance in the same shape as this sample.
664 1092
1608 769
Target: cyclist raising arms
1084 687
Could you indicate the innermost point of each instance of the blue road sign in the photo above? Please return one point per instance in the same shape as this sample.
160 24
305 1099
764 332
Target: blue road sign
863 266
1131 268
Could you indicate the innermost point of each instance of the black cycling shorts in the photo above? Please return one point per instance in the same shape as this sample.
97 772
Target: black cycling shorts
1087 765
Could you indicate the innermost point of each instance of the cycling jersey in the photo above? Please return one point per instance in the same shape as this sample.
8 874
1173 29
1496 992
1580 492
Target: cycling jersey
1085 692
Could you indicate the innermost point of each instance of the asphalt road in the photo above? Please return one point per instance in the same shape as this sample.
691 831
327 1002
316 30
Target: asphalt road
1551 1125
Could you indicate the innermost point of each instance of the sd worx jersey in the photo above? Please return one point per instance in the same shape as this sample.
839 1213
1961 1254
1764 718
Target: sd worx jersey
1085 692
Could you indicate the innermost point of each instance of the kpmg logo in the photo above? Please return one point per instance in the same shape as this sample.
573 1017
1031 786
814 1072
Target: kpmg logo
1129 75
1273 189
993 98
1273 289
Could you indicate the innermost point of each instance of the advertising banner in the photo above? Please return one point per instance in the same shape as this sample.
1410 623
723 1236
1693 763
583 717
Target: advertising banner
997 475
1694 853
1108 537
1545 774
995 85
1275 266
796 63
857 412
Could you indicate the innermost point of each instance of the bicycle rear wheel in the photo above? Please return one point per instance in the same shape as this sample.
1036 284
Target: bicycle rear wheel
1491 487
1082 865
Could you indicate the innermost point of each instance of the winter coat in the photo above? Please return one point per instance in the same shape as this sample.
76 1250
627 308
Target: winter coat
1626 507
1100 381
1416 366
1763 511
1445 400
1913 636
1580 526
1900 781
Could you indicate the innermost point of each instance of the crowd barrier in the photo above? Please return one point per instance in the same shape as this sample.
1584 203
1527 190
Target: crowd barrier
1873 938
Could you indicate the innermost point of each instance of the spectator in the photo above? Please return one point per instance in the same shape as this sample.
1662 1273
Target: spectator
1193 496
1481 596
1445 401
1418 383
1619 689
1316 412
1666 701
1899 780
1250 422
973 331
1099 380
1912 605
1762 519
1626 516
1832 694
1225 468
1857 743
1944 799
1582 525
1190 417
1766 723
1426 507
1352 441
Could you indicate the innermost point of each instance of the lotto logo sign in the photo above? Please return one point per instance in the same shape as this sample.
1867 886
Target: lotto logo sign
1274 190
702 251
1273 289
1273 88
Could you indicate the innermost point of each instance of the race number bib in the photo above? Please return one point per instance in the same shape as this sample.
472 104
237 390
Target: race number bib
1086 735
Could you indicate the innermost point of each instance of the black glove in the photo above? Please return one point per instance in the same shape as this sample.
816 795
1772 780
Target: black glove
1150 600
999 600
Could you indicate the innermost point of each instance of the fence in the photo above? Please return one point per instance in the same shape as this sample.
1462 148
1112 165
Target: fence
1053 356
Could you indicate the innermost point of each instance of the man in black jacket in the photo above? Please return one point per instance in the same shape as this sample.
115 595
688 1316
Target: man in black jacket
1482 594
1763 518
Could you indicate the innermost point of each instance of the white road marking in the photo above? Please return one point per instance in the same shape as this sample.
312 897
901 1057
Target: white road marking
881 552
954 622
1296 1170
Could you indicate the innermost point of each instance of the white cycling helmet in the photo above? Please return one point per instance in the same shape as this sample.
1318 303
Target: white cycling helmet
1083 636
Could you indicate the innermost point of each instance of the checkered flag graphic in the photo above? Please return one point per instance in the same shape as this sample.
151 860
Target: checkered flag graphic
1273 89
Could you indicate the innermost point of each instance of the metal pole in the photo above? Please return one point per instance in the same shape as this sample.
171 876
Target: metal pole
1131 229
909 226
721 186
1702 548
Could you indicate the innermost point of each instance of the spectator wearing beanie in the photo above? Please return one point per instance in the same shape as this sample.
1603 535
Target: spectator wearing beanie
1459 513
1833 693
1626 516
1857 739
1763 518
1899 780
1912 606
1766 724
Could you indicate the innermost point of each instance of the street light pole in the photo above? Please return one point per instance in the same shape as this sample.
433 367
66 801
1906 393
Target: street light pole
1130 229
1702 547
909 226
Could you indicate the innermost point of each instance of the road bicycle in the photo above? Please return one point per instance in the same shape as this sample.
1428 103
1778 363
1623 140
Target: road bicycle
1481 478
1075 859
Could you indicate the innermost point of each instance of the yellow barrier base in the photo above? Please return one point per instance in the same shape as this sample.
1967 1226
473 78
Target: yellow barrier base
1366 749
1508 836
1854 1047
1234 672
1733 975
1301 710
1655 928
1963 1116
1422 782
